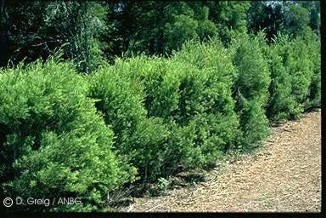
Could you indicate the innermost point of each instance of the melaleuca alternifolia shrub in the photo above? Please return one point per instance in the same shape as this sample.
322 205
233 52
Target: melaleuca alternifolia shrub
206 107
295 72
120 99
53 142
300 69
194 103
281 104
314 54
160 79
161 82
250 89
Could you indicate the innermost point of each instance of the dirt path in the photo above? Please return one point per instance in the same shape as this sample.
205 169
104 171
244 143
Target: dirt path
283 175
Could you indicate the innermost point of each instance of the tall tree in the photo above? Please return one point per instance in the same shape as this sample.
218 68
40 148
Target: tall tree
158 27
228 17
80 25
266 17
4 33
289 17
296 19
38 28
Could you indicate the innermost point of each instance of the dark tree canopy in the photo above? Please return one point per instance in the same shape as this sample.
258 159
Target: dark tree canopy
90 32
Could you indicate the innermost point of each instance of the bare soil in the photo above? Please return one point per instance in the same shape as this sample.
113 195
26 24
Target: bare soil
283 175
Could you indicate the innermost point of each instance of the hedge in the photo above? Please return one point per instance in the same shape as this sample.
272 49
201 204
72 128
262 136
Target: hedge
251 89
53 143
64 134
137 138
295 70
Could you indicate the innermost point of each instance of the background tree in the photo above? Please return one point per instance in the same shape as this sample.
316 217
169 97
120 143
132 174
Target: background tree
228 17
296 19
158 27
289 17
36 29
91 32
82 30
266 17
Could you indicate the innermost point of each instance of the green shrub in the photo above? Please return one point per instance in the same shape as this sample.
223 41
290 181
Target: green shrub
282 104
313 51
161 81
157 80
192 98
299 61
251 89
53 143
138 138
206 107
299 67
63 134
295 69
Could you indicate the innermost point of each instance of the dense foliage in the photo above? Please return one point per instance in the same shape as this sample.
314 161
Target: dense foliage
94 31
192 81
53 142
251 88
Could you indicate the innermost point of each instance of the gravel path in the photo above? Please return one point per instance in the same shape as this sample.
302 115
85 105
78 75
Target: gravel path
284 175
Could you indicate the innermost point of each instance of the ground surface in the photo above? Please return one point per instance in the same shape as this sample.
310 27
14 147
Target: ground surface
284 175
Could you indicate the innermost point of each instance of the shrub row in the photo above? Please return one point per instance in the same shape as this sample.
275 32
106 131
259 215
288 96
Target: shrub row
64 134
251 89
296 76
53 142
